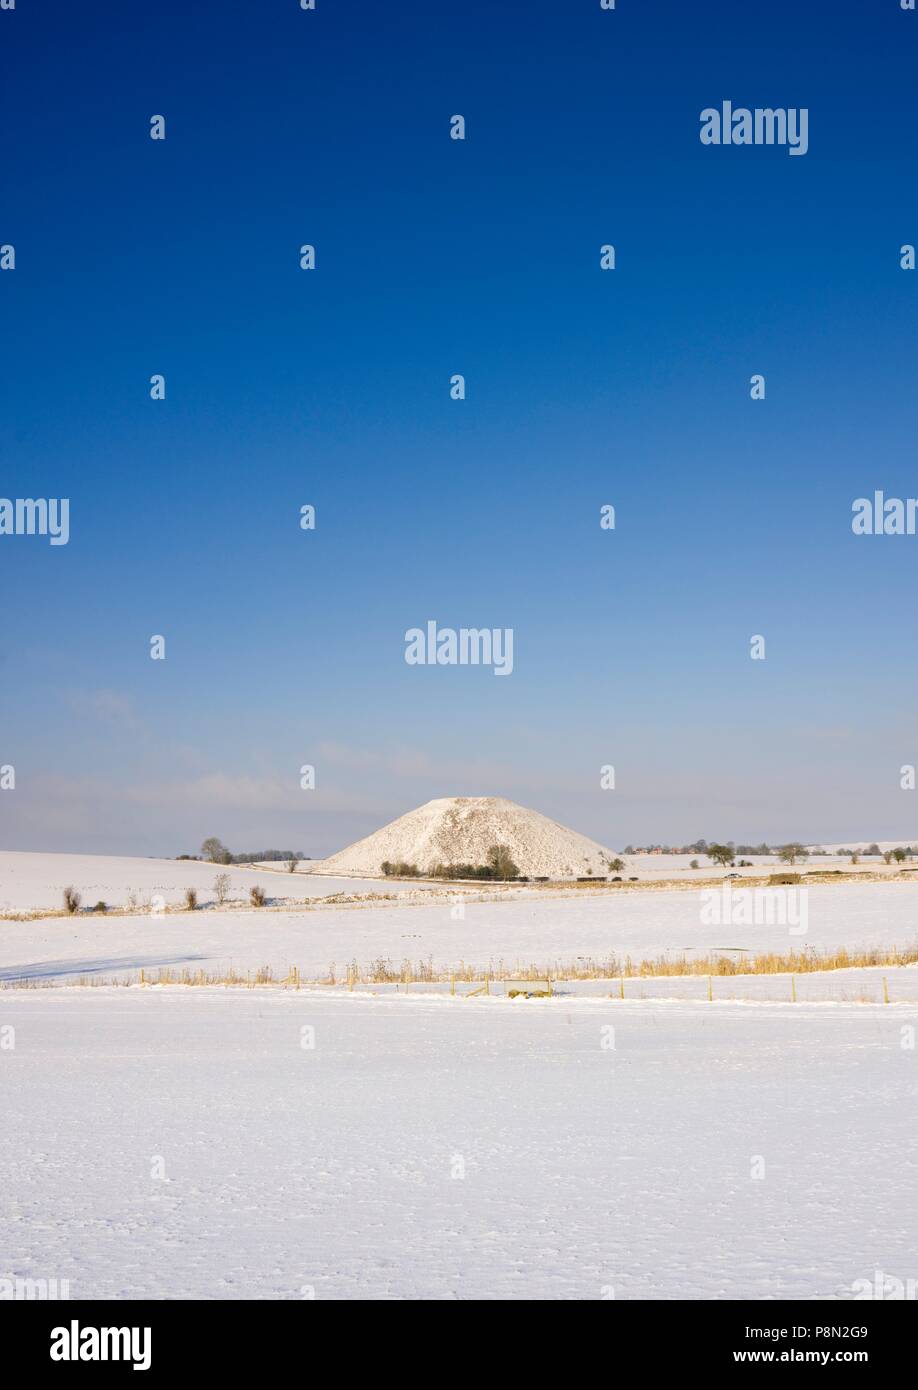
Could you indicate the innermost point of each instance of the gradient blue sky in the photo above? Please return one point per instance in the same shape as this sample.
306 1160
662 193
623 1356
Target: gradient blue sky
332 387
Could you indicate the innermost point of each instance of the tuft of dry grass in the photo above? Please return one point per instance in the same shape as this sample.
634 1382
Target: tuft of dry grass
774 963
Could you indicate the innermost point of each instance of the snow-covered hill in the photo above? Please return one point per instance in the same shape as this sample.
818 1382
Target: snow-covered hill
461 830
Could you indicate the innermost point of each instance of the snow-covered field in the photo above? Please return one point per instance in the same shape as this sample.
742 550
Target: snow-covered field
30 881
453 1149
38 880
678 866
184 1142
536 929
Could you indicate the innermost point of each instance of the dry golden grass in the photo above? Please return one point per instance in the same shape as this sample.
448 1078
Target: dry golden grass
615 967
768 963
386 972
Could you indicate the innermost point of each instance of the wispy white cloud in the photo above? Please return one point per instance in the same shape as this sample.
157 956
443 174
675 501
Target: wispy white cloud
110 707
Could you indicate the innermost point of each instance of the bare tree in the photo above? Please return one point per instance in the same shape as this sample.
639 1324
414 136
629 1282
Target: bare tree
215 851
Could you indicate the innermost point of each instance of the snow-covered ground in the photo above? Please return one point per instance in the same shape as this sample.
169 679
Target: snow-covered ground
859 846
336 1170
678 866
30 881
170 1143
537 929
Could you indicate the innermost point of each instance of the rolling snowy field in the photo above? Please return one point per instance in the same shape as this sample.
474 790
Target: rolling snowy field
183 1142
453 1149
651 868
537 929
30 881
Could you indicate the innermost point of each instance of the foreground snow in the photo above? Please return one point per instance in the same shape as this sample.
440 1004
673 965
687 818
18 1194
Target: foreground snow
337 1169
539 930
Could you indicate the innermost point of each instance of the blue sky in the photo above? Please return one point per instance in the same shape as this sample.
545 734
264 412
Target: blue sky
331 387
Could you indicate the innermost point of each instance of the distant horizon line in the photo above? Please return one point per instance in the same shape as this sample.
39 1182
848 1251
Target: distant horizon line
661 849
